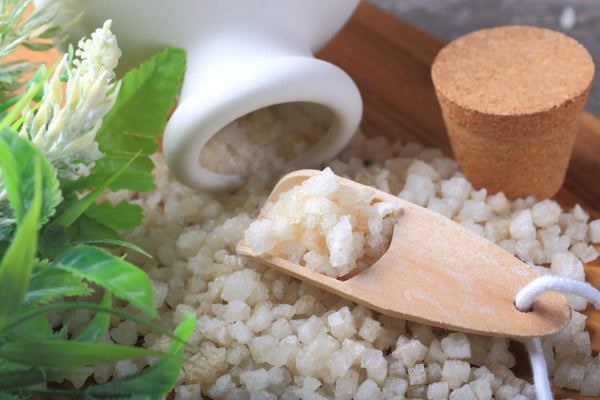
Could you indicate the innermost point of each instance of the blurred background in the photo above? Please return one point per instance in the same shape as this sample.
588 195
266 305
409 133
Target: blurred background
449 19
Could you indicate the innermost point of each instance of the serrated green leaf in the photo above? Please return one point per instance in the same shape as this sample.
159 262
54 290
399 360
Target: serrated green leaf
54 241
77 209
51 283
34 328
17 158
121 217
99 324
63 333
57 307
138 117
66 354
86 229
6 231
125 280
157 380
17 264
109 243
12 380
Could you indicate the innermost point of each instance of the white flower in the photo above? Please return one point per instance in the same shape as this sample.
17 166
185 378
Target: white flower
66 133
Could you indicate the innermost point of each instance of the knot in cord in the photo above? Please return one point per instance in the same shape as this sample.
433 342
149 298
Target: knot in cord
524 302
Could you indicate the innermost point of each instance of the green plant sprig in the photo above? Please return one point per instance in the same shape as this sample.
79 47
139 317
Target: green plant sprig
37 32
52 230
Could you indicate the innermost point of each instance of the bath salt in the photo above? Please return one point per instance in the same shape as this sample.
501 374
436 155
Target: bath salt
202 274
325 226
265 140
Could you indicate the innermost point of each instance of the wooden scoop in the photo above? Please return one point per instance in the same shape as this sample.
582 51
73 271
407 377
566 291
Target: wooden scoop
435 272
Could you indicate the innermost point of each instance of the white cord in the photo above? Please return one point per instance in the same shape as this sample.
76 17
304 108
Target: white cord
526 296
539 368
524 302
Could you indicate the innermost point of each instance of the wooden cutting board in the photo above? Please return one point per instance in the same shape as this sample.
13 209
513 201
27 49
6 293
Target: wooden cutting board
390 62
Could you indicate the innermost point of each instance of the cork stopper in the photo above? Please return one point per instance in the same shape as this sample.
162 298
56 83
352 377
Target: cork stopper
511 99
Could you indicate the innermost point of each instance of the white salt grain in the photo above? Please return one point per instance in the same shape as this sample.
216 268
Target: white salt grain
81 374
123 368
255 380
521 226
240 332
455 372
568 265
417 375
481 388
456 345
569 375
370 330
188 392
457 187
376 365
410 351
341 323
394 387
346 387
586 253
438 391
591 383
125 333
594 231
368 390
463 393
340 363
546 213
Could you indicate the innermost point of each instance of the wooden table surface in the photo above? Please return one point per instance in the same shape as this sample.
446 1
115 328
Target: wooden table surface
390 62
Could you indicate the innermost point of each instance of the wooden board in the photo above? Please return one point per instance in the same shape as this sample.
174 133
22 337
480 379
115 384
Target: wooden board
390 62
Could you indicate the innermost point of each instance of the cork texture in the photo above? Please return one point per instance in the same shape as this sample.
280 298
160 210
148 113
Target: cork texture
512 98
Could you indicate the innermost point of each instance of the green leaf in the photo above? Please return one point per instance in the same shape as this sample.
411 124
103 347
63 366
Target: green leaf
54 241
6 231
99 324
109 243
121 217
138 117
50 283
66 354
19 378
70 214
17 264
18 157
33 328
157 380
21 319
86 229
125 280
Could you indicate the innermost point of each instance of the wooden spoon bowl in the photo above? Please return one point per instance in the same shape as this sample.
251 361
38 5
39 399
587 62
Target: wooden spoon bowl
435 272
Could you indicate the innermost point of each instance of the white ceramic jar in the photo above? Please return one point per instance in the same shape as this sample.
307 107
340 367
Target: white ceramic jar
242 55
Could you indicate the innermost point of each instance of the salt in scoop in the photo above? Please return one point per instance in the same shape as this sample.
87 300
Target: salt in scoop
435 272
